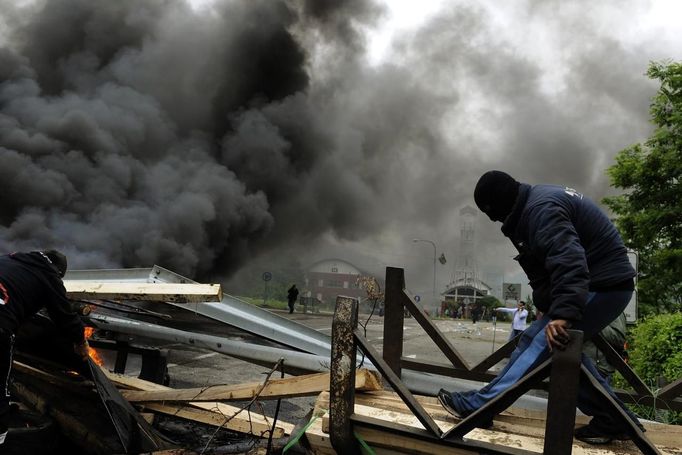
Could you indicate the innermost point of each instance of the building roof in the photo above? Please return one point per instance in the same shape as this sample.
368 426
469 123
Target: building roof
325 266
474 283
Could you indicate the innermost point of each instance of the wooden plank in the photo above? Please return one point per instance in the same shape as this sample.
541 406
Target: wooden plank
397 384
496 357
52 379
614 359
671 391
296 386
515 420
563 395
503 434
160 292
73 426
342 375
446 370
219 409
619 414
499 403
424 320
131 382
394 318
242 422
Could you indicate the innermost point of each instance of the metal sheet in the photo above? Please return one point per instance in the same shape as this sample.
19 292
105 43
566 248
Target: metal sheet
230 310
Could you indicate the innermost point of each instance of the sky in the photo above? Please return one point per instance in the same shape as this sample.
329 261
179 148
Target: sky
209 136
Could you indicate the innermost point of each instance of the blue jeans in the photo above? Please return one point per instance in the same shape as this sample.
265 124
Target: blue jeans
601 309
514 333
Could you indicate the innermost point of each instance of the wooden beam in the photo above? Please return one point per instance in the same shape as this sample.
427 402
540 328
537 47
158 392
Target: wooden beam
518 421
394 318
242 422
563 396
219 410
342 382
160 292
73 426
52 379
508 438
397 384
296 386
131 382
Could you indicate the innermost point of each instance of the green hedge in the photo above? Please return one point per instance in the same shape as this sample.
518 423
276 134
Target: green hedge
657 348
656 355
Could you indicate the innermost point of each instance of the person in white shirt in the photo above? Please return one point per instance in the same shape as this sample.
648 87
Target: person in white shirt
520 314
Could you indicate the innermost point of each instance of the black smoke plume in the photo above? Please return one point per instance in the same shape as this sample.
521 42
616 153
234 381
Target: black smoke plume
141 132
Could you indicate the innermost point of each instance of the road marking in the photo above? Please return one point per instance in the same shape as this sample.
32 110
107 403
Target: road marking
205 356
194 359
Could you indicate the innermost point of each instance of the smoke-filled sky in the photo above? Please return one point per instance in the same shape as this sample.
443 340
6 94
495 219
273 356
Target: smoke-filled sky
203 136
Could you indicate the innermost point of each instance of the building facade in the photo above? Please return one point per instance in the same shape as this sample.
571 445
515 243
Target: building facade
329 278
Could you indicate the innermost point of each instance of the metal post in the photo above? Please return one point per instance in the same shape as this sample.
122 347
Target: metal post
394 318
563 394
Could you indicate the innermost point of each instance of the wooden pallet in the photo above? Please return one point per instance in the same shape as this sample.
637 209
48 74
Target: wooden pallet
514 428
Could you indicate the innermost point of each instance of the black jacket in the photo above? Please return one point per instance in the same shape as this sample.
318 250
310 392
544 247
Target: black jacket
567 247
28 282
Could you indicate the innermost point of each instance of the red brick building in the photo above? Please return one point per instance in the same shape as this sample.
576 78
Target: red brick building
329 278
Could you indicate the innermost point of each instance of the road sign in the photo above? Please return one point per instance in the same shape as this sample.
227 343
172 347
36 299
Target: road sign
417 298
511 291
631 310
267 276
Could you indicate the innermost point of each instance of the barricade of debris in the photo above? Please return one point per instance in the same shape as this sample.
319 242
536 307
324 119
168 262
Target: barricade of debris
69 406
65 405
515 428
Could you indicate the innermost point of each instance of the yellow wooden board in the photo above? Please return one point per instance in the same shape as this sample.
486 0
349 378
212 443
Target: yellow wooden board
160 292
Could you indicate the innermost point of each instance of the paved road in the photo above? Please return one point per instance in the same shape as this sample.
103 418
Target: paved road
474 342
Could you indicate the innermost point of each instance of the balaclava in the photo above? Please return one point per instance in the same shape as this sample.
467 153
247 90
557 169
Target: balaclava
58 260
495 194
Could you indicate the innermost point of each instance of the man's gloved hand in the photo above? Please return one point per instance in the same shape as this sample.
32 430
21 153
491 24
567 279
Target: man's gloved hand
82 350
556 333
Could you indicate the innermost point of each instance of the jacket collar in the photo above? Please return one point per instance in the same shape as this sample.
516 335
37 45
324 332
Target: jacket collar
512 221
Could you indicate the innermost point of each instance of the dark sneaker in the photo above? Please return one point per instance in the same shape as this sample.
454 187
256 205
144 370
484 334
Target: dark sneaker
594 435
445 399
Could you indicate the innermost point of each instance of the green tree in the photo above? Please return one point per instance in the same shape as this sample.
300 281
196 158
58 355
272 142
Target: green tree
248 282
649 213
490 302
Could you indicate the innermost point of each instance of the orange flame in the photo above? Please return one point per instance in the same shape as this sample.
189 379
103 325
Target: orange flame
94 355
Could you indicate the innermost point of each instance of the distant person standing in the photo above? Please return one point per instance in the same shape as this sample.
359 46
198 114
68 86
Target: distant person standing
476 314
292 295
519 322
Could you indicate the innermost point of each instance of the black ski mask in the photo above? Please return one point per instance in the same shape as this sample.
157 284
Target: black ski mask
495 194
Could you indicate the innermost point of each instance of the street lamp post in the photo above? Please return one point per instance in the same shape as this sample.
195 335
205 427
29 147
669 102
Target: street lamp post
433 244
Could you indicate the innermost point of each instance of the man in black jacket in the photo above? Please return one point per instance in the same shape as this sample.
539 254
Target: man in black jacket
581 277
29 282
292 295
